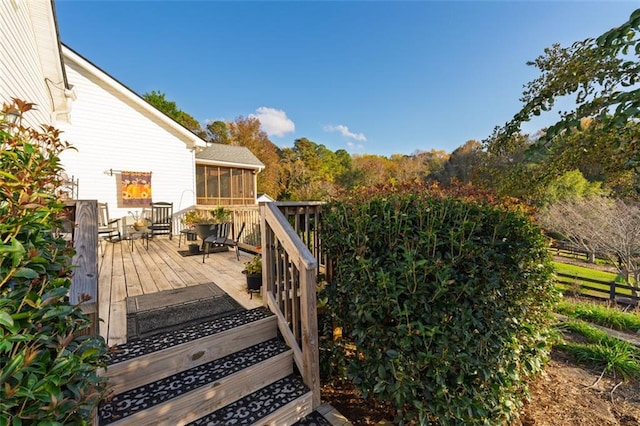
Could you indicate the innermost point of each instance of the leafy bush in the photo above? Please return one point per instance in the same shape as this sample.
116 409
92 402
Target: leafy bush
48 370
445 304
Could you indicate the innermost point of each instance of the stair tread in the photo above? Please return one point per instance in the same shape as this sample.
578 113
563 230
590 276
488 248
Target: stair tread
257 405
143 397
147 345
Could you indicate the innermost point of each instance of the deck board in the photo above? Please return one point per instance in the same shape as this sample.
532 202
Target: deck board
124 273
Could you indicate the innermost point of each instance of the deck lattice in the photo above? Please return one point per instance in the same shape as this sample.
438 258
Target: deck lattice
124 272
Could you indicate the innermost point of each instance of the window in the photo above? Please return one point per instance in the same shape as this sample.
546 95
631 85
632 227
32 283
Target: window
217 185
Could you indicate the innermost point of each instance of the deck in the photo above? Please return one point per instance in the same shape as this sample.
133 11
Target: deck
124 272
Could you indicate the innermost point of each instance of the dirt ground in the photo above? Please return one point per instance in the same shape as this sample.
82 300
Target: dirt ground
564 395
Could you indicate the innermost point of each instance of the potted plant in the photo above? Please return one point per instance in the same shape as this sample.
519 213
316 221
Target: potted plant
140 223
253 271
203 219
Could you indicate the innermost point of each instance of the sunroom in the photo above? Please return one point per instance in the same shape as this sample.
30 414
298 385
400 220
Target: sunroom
226 175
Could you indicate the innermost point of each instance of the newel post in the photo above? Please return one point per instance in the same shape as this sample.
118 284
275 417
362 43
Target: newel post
309 319
84 282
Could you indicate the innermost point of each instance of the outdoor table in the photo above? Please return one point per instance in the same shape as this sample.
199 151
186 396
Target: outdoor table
133 234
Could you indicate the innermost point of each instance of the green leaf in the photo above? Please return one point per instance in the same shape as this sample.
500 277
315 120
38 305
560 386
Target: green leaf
5 319
27 273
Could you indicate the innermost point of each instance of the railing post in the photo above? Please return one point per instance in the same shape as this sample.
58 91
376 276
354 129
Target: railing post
309 317
84 282
267 257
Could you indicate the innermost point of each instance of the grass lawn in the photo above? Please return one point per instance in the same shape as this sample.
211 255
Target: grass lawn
579 272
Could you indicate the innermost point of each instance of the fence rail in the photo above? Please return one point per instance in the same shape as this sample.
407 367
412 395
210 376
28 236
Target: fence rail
610 290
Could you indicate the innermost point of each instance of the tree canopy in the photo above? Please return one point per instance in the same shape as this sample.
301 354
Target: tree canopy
600 73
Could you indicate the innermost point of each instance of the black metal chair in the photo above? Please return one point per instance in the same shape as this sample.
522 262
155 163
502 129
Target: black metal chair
221 239
161 219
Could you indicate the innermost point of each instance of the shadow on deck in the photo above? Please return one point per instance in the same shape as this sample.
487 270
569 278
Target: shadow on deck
129 273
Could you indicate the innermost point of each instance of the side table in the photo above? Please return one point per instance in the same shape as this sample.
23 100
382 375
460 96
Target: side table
190 235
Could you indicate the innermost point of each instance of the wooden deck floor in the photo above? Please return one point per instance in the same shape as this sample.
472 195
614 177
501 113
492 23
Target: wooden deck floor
124 272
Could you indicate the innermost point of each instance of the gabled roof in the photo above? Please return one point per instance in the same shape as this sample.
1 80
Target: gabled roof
119 90
229 155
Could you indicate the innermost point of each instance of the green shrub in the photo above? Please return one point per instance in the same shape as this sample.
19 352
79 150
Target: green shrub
48 371
445 304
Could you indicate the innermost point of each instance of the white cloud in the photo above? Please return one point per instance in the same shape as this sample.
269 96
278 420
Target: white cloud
355 146
344 131
274 121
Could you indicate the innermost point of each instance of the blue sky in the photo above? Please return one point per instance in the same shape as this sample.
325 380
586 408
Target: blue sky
370 77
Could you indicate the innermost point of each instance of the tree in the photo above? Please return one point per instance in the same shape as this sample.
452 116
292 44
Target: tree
246 132
372 169
571 186
601 225
160 101
218 132
462 163
601 73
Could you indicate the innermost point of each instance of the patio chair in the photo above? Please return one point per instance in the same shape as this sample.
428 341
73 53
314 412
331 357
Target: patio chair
221 239
161 219
108 229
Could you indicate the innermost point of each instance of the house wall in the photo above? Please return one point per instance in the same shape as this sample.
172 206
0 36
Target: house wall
110 134
21 72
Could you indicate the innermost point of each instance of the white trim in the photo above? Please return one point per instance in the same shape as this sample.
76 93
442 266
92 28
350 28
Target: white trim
226 163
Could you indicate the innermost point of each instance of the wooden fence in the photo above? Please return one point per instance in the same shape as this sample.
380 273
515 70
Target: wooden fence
605 290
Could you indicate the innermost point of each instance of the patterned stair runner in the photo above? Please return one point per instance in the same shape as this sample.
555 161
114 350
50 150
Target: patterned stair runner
147 345
255 406
144 397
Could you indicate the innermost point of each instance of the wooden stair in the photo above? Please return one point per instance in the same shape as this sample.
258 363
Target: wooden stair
232 369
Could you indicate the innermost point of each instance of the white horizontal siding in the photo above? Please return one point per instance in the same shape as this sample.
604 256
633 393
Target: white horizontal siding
21 74
110 134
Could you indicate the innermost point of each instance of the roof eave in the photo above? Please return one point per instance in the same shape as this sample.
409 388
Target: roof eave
229 164
114 86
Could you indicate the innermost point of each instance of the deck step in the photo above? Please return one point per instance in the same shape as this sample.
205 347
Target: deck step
190 394
138 347
147 360
283 402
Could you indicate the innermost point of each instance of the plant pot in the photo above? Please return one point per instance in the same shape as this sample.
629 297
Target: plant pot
254 283
141 228
194 249
204 230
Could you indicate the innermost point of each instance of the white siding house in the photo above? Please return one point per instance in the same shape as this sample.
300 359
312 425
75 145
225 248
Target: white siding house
30 63
114 130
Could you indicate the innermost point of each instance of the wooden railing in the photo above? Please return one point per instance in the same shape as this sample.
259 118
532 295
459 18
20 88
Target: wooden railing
289 272
304 217
83 224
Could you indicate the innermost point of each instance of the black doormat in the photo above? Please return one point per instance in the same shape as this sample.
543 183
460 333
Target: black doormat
168 310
